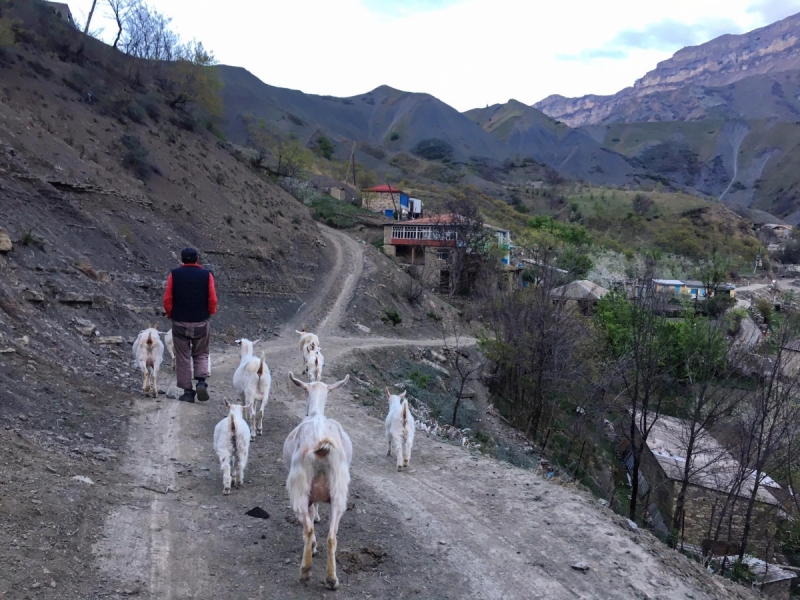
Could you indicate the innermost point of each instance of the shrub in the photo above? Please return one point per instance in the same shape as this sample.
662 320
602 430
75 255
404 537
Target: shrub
394 136
135 113
733 320
135 158
433 149
392 316
325 147
765 308
152 104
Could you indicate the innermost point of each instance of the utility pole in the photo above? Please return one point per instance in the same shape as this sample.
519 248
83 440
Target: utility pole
353 161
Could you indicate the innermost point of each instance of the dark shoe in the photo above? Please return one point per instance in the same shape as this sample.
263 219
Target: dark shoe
187 396
202 391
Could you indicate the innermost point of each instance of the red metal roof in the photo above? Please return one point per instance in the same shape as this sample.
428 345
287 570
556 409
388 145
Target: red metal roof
446 219
383 188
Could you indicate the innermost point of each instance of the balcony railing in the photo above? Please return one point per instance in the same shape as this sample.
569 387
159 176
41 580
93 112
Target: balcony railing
423 232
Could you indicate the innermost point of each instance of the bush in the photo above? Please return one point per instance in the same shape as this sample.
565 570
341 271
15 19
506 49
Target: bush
136 156
433 149
325 147
135 113
765 308
733 320
152 104
392 316
394 136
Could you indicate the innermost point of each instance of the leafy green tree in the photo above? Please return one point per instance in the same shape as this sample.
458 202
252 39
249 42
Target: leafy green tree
195 81
325 147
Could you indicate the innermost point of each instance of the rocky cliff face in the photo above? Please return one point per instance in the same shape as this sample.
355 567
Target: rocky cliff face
720 62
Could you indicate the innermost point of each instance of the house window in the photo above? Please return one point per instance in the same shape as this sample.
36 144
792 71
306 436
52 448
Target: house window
677 289
693 292
703 293
442 254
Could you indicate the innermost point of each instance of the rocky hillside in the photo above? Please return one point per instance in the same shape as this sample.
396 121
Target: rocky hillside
102 184
701 81
386 122
526 131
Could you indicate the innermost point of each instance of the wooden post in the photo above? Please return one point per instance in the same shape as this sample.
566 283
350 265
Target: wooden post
353 160
546 437
580 458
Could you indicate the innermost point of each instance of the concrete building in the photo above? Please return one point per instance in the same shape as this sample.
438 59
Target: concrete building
385 199
63 11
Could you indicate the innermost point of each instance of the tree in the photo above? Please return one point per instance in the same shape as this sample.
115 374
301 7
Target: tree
709 364
281 156
463 227
194 81
119 8
460 360
533 339
637 338
89 18
641 203
147 35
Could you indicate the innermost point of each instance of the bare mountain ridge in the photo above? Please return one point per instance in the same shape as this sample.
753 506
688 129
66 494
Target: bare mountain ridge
396 121
683 87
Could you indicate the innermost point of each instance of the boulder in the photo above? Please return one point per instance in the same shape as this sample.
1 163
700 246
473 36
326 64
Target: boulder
110 340
5 241
74 298
85 327
33 296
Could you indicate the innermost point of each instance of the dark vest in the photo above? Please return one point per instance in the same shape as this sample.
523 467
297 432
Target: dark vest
190 294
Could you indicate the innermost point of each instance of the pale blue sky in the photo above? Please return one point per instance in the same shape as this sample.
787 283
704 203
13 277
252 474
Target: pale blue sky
468 53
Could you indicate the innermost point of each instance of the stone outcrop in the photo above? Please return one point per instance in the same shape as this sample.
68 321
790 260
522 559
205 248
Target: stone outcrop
720 62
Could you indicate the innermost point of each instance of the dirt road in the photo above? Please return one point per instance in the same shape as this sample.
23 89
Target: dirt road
455 525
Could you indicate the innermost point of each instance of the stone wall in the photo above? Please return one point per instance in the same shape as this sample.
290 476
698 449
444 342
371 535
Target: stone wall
380 201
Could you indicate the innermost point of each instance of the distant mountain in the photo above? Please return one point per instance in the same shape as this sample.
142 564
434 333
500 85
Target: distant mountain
391 119
526 131
753 75
394 121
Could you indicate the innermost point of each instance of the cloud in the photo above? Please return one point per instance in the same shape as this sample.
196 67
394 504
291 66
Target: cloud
405 8
592 54
664 36
774 10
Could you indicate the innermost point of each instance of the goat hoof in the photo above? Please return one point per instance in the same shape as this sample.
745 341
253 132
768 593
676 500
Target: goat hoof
399 467
305 573
405 463
226 491
332 582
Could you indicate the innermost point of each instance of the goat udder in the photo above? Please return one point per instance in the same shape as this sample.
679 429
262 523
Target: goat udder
319 489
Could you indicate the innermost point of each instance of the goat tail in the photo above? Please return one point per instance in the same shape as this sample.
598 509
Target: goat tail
232 422
324 447
404 415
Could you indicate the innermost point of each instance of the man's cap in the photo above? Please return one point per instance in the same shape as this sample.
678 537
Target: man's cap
189 255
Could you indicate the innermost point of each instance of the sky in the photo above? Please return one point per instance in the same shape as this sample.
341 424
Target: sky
468 53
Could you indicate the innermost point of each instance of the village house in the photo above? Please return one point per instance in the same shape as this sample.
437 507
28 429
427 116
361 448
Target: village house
63 11
429 240
697 290
582 293
714 473
771 580
385 199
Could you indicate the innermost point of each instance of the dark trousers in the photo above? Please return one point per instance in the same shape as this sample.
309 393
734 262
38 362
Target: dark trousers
191 351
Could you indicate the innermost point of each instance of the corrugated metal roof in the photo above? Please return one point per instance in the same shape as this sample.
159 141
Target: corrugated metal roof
383 188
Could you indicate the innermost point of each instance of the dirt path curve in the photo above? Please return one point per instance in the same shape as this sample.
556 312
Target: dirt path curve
455 525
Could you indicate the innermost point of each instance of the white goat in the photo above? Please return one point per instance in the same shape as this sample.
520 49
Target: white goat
399 429
253 380
314 365
170 344
232 444
148 352
309 342
318 453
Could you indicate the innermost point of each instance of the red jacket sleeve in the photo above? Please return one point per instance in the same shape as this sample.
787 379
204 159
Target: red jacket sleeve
168 297
212 295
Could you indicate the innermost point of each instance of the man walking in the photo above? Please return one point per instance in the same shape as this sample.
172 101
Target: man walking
190 299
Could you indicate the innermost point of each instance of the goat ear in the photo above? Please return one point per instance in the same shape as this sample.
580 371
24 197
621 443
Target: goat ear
227 404
388 393
297 382
403 395
238 342
258 340
339 384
